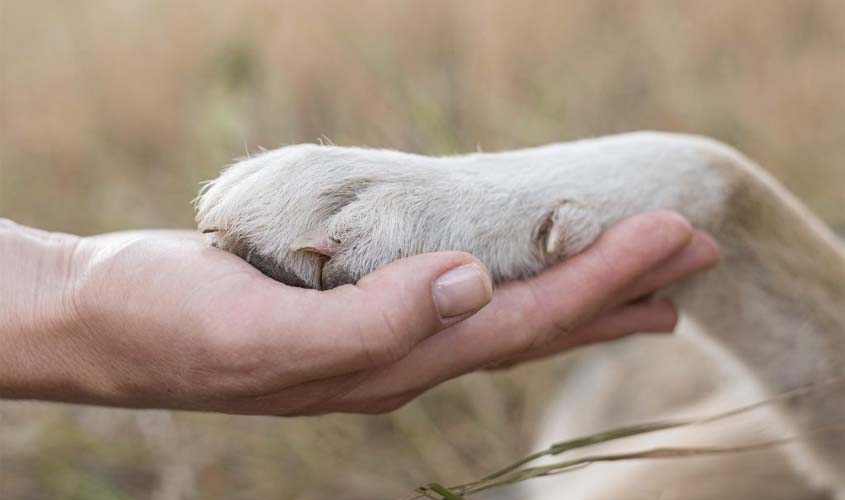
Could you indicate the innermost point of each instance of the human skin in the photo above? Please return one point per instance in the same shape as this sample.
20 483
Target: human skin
158 319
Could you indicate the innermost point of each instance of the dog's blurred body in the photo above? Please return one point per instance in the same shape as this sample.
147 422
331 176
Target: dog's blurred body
657 378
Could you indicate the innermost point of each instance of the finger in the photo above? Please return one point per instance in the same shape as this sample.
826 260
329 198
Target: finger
527 314
387 313
295 336
333 394
700 254
651 317
575 290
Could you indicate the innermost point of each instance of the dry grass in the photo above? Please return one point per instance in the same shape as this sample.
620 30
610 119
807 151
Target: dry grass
112 112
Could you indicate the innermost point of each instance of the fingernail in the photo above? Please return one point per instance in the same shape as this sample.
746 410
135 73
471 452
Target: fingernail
462 290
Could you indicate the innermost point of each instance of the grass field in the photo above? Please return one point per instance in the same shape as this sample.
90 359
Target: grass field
112 112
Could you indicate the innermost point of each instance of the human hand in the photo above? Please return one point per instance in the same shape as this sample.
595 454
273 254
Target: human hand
161 320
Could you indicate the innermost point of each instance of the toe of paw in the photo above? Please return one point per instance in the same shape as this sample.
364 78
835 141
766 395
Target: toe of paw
567 230
335 274
278 271
299 269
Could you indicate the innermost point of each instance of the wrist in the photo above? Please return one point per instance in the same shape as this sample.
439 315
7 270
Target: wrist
38 319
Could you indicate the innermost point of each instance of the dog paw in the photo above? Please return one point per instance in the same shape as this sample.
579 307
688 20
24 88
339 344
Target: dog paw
319 217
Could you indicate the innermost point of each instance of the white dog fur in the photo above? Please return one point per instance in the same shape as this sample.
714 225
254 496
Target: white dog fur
321 216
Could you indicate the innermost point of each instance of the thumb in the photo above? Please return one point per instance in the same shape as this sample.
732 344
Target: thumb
401 304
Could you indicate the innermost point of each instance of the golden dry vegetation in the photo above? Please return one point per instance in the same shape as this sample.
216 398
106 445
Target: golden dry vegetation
112 112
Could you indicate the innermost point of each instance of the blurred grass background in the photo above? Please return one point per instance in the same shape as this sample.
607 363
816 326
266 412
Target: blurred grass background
112 112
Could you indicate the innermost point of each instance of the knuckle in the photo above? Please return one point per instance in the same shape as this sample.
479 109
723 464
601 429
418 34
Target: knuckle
528 318
539 321
605 267
389 330
382 338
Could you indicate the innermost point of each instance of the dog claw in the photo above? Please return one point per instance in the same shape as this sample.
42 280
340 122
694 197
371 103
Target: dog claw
315 241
